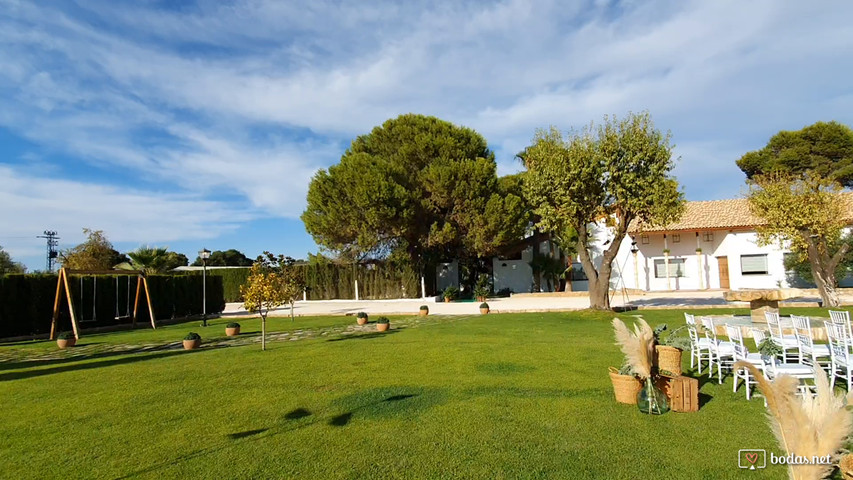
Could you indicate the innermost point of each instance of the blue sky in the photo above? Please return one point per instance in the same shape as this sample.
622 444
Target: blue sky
200 124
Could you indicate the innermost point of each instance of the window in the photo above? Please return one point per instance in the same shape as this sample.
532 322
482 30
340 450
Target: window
676 268
709 237
676 238
644 239
753 264
578 274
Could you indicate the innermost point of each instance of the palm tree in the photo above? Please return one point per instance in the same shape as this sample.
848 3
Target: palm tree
148 259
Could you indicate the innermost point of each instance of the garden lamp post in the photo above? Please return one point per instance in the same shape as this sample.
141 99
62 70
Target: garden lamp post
204 254
634 251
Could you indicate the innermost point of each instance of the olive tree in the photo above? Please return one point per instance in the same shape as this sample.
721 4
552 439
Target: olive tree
616 172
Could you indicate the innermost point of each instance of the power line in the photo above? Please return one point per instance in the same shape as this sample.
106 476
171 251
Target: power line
52 243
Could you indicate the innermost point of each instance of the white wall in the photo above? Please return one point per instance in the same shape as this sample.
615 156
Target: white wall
517 275
730 244
447 274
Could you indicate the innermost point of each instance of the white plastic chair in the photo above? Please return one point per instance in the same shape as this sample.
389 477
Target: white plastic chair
700 347
772 367
841 362
810 352
788 342
722 353
741 353
842 318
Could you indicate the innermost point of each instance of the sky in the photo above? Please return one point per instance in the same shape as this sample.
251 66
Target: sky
200 124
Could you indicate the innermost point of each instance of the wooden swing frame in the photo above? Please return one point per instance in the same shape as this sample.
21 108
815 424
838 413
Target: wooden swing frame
62 282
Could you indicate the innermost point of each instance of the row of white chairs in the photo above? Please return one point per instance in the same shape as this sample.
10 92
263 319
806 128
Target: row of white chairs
800 355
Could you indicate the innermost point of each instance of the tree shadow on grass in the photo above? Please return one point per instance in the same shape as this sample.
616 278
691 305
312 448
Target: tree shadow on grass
72 356
128 358
247 433
363 336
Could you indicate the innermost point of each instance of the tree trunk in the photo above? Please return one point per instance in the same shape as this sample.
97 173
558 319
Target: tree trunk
291 310
599 294
263 332
825 282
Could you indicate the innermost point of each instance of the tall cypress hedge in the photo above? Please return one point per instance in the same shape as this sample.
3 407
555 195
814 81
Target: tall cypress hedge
26 301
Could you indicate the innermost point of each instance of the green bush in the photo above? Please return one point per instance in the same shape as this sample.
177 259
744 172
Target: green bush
361 315
192 336
383 320
484 305
232 325
65 336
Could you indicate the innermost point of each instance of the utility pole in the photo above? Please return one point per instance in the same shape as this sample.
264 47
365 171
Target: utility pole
52 243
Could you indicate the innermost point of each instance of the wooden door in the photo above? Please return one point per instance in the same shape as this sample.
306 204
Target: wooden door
723 264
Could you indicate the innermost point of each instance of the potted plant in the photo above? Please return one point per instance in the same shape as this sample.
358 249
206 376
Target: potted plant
668 351
638 346
698 250
424 311
769 350
232 329
65 340
361 318
666 251
192 341
626 385
481 290
382 324
484 308
450 293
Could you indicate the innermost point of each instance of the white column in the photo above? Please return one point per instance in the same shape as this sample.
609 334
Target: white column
666 261
423 287
699 262
356 289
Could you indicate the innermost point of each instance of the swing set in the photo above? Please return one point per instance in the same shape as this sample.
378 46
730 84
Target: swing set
64 283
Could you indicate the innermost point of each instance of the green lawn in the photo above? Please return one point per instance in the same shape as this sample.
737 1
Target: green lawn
493 396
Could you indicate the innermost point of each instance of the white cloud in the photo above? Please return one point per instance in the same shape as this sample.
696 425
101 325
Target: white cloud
251 97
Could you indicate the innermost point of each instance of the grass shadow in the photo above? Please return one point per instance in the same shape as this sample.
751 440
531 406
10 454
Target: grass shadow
248 433
297 414
363 336
129 358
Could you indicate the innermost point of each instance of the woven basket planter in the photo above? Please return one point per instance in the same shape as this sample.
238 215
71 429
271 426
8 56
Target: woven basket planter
669 359
625 387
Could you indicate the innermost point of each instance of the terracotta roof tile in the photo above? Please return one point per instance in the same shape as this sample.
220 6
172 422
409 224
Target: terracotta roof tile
719 214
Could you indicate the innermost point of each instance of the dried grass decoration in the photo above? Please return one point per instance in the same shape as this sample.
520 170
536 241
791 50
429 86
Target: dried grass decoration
639 347
808 426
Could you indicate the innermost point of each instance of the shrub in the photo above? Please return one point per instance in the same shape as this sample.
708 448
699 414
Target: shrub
232 325
65 336
484 305
451 292
383 320
192 336
362 315
424 307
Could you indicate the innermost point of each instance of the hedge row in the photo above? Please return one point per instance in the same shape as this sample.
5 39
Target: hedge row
26 301
333 281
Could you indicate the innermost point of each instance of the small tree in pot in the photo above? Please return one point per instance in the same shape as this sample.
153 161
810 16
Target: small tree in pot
192 341
65 340
484 308
232 329
424 311
361 318
382 324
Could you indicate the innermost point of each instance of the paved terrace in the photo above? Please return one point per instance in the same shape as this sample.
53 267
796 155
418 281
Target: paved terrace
541 302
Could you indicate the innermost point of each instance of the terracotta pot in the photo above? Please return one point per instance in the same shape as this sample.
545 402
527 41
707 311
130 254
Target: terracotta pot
484 311
361 320
481 299
446 300
232 332
63 344
423 313
381 327
191 344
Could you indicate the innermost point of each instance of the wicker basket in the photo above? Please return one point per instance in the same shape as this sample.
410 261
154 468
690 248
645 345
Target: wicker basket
625 387
669 359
